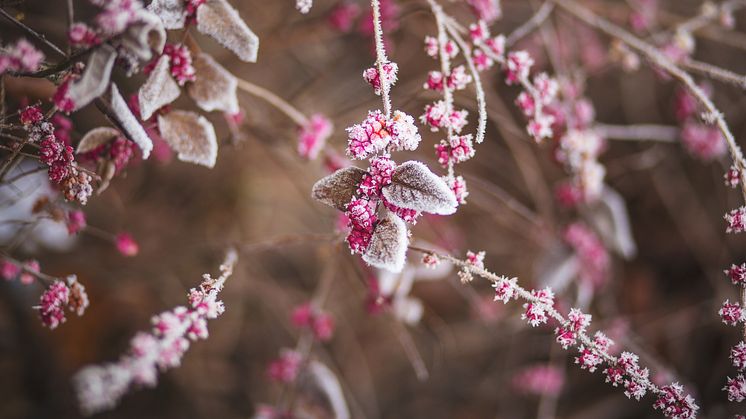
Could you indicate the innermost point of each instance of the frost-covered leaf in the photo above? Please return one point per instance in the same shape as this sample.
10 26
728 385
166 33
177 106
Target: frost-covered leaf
96 138
144 36
610 218
171 12
221 21
95 78
414 186
326 384
159 89
191 136
337 189
388 246
214 87
129 123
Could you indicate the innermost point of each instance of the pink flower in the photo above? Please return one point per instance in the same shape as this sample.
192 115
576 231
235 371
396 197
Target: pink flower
82 36
313 135
430 260
362 221
458 186
703 141
30 267
540 127
732 313
52 304
343 15
181 63
481 60
475 259
369 137
479 32
31 115
323 327
737 274
568 194
76 221
9 270
126 244
738 355
117 15
540 380
736 220
390 71
60 98
732 177
518 66
504 289
457 150
736 388
674 404
536 311
22 56
436 117
302 315
285 369
378 175
486 10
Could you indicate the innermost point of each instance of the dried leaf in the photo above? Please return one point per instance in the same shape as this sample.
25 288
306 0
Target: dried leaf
129 123
107 171
159 89
610 219
327 384
214 87
96 138
95 78
415 187
388 246
218 19
144 36
191 136
171 12
337 189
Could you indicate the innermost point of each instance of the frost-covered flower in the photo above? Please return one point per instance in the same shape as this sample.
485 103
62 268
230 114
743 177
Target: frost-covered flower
732 313
313 135
737 274
518 66
504 289
536 311
436 117
21 56
703 141
594 258
180 63
732 177
736 388
362 219
458 186
673 403
390 70
81 35
476 259
458 149
738 355
486 10
342 17
52 304
736 220
369 137
378 175
285 369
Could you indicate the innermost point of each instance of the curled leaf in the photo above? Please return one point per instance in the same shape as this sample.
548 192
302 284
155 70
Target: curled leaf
129 123
218 19
171 12
95 78
214 87
388 246
610 219
413 186
96 138
323 382
159 89
144 36
337 189
191 136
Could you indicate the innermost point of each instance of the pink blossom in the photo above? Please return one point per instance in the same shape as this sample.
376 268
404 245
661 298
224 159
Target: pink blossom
674 404
540 380
362 220
117 15
518 66
732 177
736 220
737 274
496 45
60 98
536 311
458 186
369 137
378 175
546 88
738 355
732 313
568 194
121 152
486 10
313 135
459 78
458 149
390 71
479 32
52 304
436 117
30 268
22 56
736 388
482 61
323 326
285 369
302 315
191 9
9 270
404 132
343 15
180 63
81 35
504 289
475 259
430 260
540 127
31 115
408 215
126 244
703 141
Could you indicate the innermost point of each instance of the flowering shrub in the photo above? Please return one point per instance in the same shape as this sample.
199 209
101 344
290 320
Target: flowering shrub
520 127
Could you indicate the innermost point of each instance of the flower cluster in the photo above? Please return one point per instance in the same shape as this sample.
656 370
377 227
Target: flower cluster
21 56
577 322
81 35
703 141
378 133
313 135
321 324
116 15
100 387
372 76
180 62
59 295
286 368
536 308
23 273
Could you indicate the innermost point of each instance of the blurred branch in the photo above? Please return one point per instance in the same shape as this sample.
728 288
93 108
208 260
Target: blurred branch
530 25
642 132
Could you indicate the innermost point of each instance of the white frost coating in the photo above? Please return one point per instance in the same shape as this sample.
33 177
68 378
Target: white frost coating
304 6
96 138
214 87
388 246
218 19
415 187
328 383
130 124
338 189
171 12
146 35
95 78
159 89
191 136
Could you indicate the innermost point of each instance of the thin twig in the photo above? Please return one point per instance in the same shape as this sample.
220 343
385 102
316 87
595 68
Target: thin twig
32 32
641 132
280 104
530 25
381 59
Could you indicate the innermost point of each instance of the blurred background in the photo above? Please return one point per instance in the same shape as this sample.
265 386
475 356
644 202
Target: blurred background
466 357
